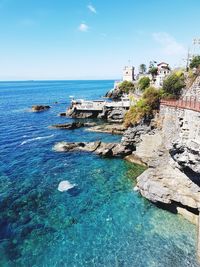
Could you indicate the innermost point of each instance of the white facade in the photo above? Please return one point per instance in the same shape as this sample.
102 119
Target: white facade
163 72
128 74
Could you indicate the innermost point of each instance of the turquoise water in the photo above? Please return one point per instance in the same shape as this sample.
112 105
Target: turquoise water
102 221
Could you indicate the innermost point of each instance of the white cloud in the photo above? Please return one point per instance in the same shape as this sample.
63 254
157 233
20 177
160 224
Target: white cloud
92 8
169 45
83 27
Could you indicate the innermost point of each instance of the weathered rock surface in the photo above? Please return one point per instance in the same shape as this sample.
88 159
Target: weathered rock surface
116 115
132 136
108 128
172 155
114 94
39 108
99 148
165 183
73 113
73 125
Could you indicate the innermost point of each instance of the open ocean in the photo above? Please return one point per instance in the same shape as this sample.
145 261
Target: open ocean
103 222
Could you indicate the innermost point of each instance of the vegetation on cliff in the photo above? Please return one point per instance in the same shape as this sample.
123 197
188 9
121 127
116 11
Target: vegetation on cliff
173 85
144 108
195 63
126 87
144 83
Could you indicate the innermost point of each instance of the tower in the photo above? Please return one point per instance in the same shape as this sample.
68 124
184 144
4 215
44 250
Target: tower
128 74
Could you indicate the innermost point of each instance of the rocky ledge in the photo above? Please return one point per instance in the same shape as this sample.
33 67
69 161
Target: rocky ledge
171 153
39 108
98 147
73 125
108 128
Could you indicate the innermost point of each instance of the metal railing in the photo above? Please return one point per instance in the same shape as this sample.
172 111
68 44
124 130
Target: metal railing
187 103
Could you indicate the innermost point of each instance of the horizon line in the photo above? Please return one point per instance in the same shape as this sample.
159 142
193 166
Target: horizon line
40 80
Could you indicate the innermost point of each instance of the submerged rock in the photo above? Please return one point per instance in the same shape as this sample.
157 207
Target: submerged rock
65 186
38 108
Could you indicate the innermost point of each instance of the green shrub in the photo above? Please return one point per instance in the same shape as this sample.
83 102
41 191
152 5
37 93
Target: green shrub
195 63
173 85
126 87
143 83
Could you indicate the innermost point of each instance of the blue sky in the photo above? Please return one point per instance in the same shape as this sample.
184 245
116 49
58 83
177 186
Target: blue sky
79 39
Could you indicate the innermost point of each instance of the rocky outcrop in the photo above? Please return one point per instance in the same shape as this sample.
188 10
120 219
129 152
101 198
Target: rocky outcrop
116 115
132 136
73 125
108 128
74 113
99 148
172 156
114 94
39 108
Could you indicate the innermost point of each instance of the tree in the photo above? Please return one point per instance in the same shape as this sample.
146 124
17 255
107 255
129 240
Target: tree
143 83
126 87
142 68
153 70
195 63
173 85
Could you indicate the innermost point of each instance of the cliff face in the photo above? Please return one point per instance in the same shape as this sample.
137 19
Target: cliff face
172 153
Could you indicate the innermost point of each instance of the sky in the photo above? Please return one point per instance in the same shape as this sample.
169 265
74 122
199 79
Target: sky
80 39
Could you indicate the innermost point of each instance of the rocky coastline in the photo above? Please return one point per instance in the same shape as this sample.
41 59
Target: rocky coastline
166 181
168 145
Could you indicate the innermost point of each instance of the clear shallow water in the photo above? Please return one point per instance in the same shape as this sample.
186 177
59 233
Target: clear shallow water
102 222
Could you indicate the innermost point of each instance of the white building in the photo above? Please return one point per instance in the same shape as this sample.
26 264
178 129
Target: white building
128 74
163 72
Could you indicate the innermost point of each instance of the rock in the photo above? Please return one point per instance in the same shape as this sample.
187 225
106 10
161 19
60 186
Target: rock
79 146
158 185
116 115
105 149
121 151
114 94
99 148
38 108
132 136
73 125
73 113
135 159
108 128
63 114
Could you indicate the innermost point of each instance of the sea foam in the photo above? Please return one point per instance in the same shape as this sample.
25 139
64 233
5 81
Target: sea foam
35 139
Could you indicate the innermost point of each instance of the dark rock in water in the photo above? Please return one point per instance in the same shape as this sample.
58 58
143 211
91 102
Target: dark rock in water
73 125
38 108
63 114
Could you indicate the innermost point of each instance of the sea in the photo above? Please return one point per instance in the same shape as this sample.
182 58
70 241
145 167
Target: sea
101 221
